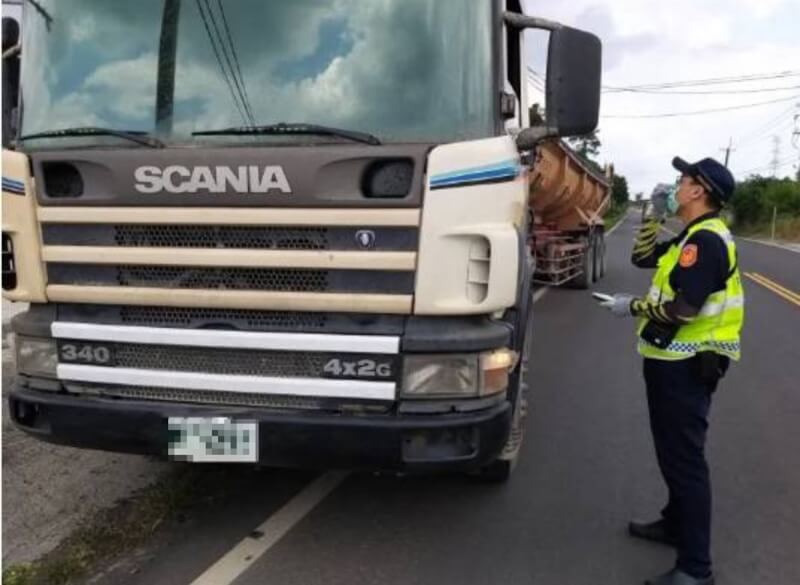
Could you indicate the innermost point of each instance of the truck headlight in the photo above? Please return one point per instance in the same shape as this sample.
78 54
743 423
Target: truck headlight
456 375
440 376
36 357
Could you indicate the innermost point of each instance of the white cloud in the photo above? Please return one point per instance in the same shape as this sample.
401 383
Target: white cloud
689 40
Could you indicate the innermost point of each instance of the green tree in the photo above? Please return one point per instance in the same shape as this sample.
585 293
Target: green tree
587 146
755 199
619 190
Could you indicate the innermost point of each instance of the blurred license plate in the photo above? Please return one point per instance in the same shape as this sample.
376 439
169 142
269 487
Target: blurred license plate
213 440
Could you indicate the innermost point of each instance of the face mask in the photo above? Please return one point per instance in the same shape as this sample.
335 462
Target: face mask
672 201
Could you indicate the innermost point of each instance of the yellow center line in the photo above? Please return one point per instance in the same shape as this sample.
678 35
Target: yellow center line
782 292
767 281
789 292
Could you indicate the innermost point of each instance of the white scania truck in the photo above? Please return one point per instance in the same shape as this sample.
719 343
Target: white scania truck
290 233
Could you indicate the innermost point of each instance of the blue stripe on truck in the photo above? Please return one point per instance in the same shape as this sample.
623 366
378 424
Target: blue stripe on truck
504 171
13 186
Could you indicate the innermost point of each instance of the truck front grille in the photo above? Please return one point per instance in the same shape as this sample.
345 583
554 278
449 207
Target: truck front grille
261 238
9 264
274 364
401 239
355 261
233 279
241 318
224 278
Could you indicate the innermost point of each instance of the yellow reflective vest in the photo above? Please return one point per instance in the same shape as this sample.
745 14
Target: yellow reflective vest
718 325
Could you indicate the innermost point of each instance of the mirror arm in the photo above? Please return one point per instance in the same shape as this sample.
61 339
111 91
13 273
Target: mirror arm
528 138
10 52
521 21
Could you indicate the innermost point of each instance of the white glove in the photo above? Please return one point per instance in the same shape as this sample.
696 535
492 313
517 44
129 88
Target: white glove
619 305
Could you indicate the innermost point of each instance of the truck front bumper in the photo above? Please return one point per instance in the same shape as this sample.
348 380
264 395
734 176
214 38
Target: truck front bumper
396 442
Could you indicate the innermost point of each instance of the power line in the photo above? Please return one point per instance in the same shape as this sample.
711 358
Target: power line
709 81
659 88
759 138
698 112
239 107
759 131
235 58
668 92
780 165
536 83
226 49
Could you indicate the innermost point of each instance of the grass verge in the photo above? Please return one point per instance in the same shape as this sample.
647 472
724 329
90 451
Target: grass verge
111 532
614 215
787 229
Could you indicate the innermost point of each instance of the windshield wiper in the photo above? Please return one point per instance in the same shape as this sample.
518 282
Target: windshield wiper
132 135
284 128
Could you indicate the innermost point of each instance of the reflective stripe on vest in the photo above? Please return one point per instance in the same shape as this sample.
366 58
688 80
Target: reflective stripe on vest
718 325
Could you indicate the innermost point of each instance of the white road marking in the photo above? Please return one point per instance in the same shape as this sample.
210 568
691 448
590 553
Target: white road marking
616 225
796 249
242 556
539 294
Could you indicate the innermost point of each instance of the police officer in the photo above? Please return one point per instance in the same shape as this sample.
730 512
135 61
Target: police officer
688 331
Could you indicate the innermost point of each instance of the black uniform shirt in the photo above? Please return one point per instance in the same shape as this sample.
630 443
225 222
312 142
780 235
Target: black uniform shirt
704 265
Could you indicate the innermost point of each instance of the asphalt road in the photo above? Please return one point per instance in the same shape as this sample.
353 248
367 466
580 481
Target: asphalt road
586 468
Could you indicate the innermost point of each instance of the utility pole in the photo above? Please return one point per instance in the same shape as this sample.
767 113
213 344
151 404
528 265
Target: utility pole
728 151
796 141
776 155
776 161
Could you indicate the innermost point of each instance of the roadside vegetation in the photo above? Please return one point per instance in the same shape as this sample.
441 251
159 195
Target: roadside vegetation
112 532
758 199
588 149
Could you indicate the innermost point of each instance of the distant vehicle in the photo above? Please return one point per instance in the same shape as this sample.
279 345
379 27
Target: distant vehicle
660 190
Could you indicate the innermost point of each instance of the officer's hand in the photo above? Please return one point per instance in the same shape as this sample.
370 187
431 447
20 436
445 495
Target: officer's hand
619 305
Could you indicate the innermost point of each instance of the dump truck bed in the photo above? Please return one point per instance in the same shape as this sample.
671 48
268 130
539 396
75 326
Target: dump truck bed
566 194
567 201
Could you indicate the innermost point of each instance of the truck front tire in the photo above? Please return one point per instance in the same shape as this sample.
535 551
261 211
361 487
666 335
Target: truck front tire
499 470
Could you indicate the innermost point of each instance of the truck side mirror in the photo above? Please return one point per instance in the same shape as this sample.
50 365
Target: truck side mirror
572 92
573 81
10 78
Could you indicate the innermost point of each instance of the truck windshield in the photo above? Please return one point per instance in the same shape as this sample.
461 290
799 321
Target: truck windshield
401 70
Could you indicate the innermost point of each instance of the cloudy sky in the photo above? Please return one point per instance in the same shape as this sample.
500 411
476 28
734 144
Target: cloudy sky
652 41
405 70
425 74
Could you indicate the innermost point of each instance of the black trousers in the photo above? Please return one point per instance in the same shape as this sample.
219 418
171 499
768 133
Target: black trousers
679 399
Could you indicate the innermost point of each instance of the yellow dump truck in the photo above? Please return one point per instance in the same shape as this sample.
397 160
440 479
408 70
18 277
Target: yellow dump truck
286 235
567 202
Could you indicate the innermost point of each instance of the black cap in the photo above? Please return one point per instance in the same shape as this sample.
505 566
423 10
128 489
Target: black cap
711 174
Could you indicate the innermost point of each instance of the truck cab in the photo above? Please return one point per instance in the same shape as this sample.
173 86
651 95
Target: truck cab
280 234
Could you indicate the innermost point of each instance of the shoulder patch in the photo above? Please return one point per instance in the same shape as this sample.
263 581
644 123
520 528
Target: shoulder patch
688 255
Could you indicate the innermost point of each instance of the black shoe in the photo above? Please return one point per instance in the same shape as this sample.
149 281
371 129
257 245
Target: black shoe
654 531
676 577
